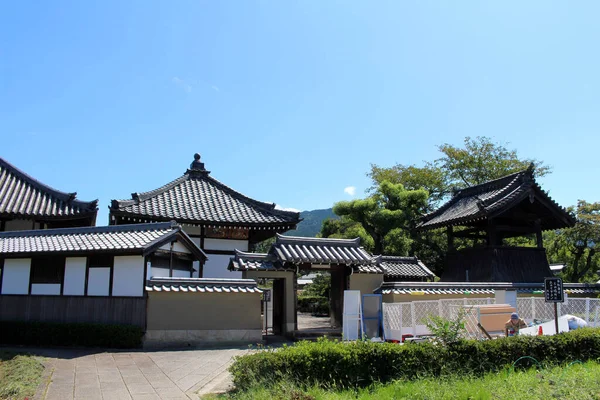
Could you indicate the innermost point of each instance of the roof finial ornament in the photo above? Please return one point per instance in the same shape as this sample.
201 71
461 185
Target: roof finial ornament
196 164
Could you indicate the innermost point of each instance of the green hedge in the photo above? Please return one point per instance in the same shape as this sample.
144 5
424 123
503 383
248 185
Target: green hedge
360 364
317 305
70 334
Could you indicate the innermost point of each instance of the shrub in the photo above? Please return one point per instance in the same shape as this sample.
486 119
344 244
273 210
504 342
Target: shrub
316 305
362 363
70 334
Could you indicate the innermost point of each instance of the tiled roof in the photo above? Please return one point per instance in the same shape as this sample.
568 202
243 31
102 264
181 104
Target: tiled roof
21 195
467 288
490 198
202 285
198 198
243 261
321 251
404 267
142 238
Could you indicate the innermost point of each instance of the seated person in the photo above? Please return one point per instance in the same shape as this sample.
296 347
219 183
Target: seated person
513 325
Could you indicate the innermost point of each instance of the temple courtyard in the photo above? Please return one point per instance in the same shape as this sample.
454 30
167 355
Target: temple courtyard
96 374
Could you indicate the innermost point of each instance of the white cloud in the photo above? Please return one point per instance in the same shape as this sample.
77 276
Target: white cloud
180 83
278 207
215 88
350 190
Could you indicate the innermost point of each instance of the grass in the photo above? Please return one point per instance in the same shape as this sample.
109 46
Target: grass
19 375
576 381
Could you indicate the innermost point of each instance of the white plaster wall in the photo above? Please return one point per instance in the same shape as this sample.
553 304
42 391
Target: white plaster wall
98 281
160 272
21 225
15 276
177 247
163 272
216 267
46 288
225 244
181 274
74 276
128 276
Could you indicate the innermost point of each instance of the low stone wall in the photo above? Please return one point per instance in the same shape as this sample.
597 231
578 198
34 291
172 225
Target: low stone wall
178 338
196 319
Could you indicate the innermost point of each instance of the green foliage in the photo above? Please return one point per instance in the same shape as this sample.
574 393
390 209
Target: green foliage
316 305
70 334
311 222
19 375
363 363
571 381
320 286
578 246
387 216
478 160
447 331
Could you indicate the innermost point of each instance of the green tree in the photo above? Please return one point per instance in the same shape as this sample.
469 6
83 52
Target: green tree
478 161
577 246
387 216
320 286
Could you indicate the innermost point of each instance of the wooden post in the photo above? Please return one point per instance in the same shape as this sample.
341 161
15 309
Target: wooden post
450 235
556 317
538 234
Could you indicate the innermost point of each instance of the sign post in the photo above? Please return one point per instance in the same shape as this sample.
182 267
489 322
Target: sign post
554 293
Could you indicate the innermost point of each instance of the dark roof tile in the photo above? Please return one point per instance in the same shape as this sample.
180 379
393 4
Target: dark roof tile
22 195
198 198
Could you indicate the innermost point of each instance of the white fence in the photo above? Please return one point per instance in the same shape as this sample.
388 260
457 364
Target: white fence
409 318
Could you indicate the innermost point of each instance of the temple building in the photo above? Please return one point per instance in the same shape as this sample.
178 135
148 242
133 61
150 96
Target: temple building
489 214
217 218
28 204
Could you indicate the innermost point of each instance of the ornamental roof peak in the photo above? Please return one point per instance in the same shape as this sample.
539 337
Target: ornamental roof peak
197 167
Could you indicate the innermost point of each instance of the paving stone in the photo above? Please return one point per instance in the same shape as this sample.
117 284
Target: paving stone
163 384
135 379
146 396
140 388
116 395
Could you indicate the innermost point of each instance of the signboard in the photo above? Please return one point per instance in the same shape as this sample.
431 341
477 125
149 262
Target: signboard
267 296
553 290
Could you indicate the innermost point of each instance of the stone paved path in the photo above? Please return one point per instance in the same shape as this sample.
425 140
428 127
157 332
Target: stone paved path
168 374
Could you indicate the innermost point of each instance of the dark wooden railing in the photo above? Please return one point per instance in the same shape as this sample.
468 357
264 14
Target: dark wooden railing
497 264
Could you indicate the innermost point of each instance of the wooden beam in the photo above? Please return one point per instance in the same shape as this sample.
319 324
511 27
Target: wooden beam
538 234
450 238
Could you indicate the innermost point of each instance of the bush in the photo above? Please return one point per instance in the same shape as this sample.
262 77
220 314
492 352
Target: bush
360 364
316 305
70 334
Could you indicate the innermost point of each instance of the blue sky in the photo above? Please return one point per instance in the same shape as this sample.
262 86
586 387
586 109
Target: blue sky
290 101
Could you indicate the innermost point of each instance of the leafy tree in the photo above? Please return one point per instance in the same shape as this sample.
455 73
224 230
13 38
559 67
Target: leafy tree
578 246
387 216
320 286
479 161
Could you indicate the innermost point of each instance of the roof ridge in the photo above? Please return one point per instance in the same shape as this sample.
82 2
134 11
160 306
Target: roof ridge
70 197
92 229
282 239
398 257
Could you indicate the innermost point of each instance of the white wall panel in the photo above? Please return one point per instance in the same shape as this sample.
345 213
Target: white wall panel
128 276
15 276
180 274
98 281
74 276
196 265
160 272
225 244
45 288
177 247
216 267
